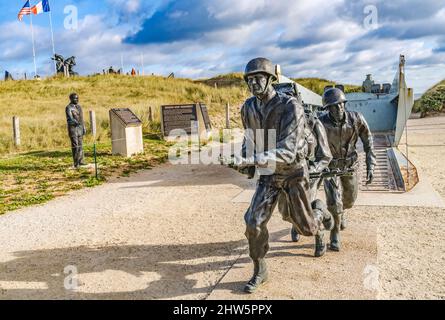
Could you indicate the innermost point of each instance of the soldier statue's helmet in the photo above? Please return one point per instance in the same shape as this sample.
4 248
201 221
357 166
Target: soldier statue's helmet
260 65
333 96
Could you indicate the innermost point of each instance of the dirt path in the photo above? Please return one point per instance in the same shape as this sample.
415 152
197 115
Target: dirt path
175 233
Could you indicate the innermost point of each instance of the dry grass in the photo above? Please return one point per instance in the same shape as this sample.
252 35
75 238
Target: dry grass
317 85
41 105
40 169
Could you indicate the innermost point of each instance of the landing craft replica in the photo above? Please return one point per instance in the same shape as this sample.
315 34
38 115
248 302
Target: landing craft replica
386 108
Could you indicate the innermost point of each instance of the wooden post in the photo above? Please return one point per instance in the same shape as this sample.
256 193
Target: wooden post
227 116
16 130
150 115
93 123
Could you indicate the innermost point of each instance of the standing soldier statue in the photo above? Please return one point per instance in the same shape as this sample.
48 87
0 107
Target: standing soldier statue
280 118
76 129
344 128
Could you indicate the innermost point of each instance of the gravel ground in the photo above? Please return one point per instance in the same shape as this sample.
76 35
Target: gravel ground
174 233
411 241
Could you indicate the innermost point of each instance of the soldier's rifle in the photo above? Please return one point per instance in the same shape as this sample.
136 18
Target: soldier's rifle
332 173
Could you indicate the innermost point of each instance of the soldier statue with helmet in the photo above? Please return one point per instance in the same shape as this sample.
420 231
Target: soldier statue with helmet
318 156
282 168
343 129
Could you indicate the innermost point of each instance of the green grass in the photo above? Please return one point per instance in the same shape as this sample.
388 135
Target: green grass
36 177
433 100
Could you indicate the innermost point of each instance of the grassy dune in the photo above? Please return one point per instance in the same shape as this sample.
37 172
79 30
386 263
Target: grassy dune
433 100
317 85
41 105
40 169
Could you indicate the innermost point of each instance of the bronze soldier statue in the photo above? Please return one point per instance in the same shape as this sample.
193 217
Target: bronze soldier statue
319 156
343 129
76 129
284 116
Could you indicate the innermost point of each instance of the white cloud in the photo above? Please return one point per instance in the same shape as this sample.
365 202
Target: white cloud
304 37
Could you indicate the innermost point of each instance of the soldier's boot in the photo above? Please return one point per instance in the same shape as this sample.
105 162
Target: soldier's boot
294 235
320 245
335 234
260 276
344 222
322 214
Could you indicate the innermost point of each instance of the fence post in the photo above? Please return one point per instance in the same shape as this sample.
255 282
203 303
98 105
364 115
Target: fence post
93 123
150 114
16 130
227 116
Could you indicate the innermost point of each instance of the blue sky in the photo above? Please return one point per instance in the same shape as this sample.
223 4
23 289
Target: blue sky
202 38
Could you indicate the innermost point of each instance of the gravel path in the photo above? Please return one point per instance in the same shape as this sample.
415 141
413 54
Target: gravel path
174 233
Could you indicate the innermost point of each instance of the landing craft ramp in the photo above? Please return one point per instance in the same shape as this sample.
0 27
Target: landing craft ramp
384 178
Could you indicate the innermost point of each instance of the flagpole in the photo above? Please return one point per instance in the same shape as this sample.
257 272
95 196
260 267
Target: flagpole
33 47
52 36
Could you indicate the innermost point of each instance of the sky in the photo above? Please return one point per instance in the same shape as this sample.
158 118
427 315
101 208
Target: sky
340 40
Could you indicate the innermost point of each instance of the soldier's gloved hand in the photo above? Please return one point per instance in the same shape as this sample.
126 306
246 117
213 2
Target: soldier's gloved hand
369 176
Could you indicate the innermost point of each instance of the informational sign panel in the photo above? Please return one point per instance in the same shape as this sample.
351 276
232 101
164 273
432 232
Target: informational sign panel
178 117
185 117
127 116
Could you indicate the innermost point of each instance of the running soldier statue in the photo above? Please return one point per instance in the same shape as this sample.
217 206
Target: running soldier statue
319 156
279 119
343 129
76 129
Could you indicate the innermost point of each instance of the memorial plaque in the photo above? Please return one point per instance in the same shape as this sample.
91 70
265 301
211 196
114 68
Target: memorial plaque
183 117
127 116
178 117
126 133
205 115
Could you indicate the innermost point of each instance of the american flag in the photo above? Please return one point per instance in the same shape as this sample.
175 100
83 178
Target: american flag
26 10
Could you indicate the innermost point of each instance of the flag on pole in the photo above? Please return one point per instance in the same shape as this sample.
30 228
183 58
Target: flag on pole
25 11
41 7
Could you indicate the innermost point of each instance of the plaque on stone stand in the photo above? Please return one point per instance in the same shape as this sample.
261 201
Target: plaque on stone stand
126 133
